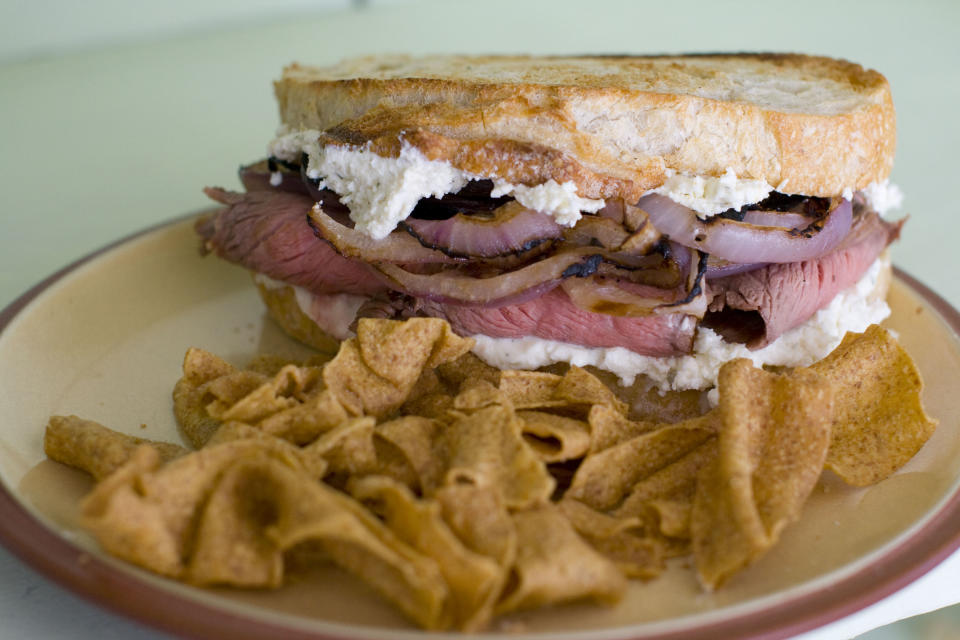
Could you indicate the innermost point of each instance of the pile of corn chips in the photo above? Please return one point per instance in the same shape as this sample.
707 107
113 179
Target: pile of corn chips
460 492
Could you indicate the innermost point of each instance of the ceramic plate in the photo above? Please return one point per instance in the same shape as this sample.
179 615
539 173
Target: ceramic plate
105 337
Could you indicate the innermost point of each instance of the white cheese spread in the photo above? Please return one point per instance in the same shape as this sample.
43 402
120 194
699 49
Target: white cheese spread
708 195
851 310
383 191
559 200
883 196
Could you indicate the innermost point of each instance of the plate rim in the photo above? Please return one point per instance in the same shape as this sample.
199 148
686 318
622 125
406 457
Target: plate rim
122 592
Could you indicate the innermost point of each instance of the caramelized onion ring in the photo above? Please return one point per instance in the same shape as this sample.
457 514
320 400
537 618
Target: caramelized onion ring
781 219
506 288
396 247
512 229
747 243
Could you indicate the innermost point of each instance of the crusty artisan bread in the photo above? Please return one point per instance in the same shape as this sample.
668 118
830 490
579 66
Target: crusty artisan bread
282 306
612 125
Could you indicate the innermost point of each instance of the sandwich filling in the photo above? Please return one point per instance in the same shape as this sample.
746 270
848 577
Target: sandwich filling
382 192
698 271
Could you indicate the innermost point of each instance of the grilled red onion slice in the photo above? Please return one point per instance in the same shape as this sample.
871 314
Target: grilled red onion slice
511 229
396 247
747 243
597 231
781 219
453 286
682 255
665 267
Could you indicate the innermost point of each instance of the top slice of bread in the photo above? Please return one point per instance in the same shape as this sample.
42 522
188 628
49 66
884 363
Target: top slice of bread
614 125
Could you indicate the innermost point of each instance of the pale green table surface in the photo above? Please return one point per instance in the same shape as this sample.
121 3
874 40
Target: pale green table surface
99 144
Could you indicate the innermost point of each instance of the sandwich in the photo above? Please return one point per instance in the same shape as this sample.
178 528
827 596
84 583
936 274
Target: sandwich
649 216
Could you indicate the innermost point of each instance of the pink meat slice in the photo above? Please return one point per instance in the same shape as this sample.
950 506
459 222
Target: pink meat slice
267 232
553 316
759 306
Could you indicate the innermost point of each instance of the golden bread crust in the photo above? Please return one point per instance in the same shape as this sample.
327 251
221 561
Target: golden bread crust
612 125
282 306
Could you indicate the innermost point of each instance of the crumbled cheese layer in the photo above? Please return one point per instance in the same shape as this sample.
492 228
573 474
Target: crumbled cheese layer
708 195
384 191
883 196
559 200
379 191
851 310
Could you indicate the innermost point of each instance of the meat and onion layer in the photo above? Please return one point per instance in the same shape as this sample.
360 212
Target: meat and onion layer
639 276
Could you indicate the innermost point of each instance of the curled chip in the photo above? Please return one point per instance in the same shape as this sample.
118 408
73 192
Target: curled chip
486 448
99 451
347 449
478 395
480 519
374 373
232 544
670 516
145 511
554 564
530 389
474 579
575 392
774 434
290 386
609 427
555 438
664 499
359 542
303 423
625 541
190 396
879 422
467 367
415 440
581 388
604 478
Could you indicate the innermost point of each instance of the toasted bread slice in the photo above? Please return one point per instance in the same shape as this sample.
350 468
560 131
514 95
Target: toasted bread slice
615 126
